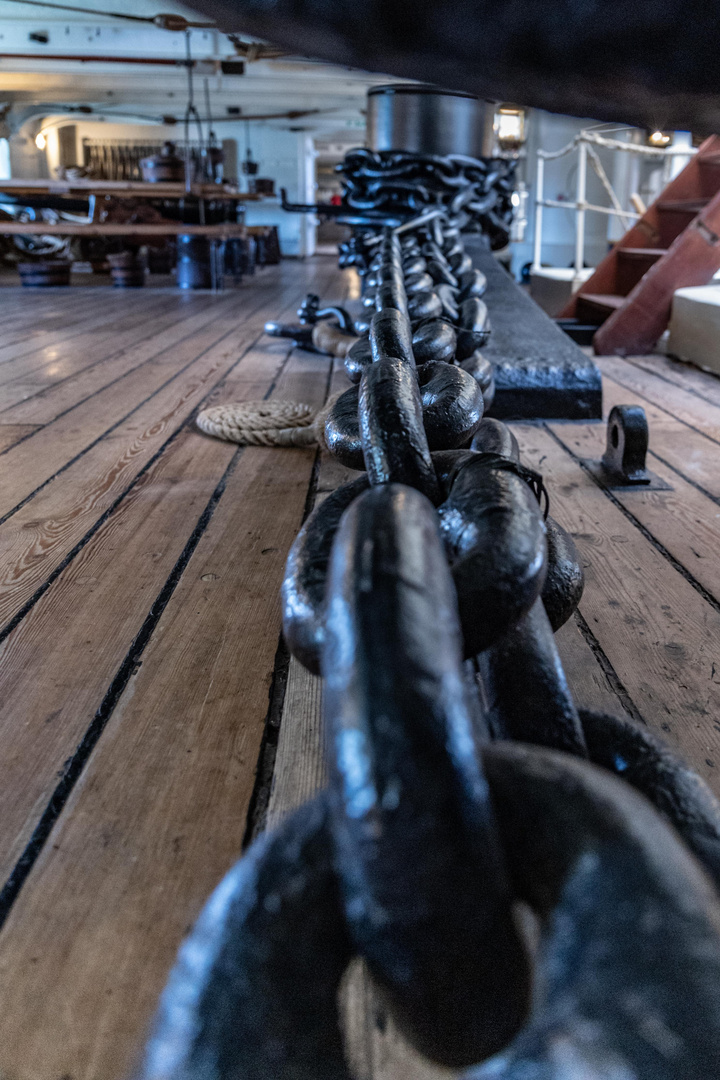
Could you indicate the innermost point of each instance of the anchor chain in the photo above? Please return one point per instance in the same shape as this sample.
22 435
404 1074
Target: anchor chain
465 786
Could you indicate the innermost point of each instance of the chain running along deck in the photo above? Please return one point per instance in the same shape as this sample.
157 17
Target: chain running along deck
539 372
464 784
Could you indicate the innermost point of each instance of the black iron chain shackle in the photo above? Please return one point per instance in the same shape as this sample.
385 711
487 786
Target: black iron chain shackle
435 825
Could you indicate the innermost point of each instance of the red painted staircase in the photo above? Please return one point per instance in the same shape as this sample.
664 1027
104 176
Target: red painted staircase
675 243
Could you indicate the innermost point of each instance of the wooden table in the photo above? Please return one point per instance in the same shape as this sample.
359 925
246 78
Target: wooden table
225 231
98 190
126 189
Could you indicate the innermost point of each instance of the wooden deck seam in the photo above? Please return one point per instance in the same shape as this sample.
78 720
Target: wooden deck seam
671 382
12 623
265 769
662 408
688 479
260 799
257 303
113 355
217 309
83 540
122 419
614 681
86 325
89 397
73 767
628 514
29 604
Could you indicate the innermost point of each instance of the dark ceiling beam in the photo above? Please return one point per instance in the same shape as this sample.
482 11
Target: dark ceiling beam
648 62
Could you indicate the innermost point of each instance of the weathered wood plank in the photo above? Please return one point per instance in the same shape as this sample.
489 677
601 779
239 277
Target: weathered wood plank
587 680
39 395
33 462
57 681
300 768
57 362
706 384
31 313
92 315
681 403
39 536
159 813
23 375
672 442
661 637
54 388
12 433
684 521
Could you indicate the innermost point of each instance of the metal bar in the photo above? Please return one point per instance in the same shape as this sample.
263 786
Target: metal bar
580 226
539 204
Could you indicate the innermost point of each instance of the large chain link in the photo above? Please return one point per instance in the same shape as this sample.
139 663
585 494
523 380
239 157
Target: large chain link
464 786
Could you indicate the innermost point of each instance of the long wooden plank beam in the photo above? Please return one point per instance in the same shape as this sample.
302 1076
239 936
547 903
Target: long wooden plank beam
130 188
227 231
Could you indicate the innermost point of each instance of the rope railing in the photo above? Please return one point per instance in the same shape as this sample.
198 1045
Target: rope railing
584 143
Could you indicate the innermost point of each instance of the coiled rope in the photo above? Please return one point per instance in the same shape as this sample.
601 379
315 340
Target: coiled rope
266 423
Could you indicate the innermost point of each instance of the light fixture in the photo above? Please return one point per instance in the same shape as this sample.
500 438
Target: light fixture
40 140
659 139
509 127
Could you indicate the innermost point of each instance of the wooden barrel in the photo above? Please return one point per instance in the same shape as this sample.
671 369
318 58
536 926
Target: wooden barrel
163 166
45 272
127 270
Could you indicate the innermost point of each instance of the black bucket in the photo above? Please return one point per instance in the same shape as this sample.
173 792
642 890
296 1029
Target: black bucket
195 262
45 273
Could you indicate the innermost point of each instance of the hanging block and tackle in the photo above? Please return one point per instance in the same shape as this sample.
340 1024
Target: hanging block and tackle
464 783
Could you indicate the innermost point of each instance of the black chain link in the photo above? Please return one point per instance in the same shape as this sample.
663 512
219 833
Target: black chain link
464 784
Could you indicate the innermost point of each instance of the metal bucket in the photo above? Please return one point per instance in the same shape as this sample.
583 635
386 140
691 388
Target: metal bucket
195 257
163 166
425 120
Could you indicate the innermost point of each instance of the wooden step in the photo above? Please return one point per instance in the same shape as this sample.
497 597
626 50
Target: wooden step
693 206
675 215
595 308
709 175
632 264
684 197
581 333
692 260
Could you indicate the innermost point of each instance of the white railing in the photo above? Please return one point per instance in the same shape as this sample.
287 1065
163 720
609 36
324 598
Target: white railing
585 143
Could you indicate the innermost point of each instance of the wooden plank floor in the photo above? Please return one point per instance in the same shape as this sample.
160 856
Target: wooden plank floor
150 721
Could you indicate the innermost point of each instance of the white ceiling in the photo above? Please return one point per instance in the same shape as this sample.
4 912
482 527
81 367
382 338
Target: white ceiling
33 73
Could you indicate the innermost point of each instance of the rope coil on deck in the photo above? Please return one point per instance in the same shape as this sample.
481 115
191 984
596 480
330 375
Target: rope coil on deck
266 423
